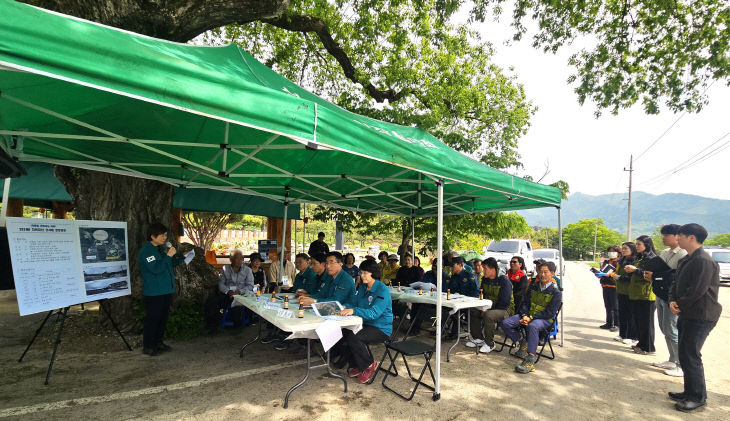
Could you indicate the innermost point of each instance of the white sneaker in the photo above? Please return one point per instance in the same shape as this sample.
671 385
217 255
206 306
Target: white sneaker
618 339
475 343
628 341
485 349
667 365
675 372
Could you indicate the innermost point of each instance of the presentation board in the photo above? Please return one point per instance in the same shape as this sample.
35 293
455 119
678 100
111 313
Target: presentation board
62 262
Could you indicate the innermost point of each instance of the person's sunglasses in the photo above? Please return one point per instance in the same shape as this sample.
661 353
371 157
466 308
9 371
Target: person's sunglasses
514 262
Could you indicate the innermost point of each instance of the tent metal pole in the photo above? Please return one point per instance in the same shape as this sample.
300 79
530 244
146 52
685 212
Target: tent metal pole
562 275
439 286
283 248
6 194
413 237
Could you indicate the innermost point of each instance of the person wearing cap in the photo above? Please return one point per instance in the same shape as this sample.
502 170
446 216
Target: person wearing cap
460 282
390 269
318 245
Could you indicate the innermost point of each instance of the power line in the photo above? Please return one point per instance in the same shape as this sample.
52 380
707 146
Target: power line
669 128
692 161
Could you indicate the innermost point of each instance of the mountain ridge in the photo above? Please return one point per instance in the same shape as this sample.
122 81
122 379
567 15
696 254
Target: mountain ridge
648 211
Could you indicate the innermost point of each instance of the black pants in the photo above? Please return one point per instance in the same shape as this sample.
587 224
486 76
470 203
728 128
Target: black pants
610 301
213 310
692 335
643 313
353 345
158 309
626 327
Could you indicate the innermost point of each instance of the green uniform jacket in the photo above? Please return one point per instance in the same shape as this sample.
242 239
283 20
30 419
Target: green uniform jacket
156 267
341 288
307 281
499 291
541 304
640 289
622 280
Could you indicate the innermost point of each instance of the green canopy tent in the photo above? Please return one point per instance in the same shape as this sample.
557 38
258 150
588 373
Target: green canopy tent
40 187
81 94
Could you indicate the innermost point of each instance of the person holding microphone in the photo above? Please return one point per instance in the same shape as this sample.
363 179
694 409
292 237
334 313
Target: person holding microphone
156 259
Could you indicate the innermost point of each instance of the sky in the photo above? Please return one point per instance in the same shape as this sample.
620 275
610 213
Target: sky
591 153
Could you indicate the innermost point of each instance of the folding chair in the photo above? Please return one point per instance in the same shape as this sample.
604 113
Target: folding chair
546 336
408 348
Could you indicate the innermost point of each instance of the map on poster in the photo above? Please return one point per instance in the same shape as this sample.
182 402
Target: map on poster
61 262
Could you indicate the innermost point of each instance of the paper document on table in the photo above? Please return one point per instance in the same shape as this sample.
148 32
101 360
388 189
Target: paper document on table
189 256
336 317
329 333
426 286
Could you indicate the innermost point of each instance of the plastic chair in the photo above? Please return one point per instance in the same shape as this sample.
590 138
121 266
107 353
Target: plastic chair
225 320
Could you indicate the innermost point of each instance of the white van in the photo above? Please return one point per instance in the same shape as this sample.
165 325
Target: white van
504 250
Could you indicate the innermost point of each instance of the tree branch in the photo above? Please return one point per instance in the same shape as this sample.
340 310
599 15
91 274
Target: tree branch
304 24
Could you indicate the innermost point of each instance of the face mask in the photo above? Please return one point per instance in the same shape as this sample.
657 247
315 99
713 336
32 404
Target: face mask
612 254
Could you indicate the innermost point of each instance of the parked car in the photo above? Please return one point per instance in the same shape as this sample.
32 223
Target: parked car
722 257
550 255
504 250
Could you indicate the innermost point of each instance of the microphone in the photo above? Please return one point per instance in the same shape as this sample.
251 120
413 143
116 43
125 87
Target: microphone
168 245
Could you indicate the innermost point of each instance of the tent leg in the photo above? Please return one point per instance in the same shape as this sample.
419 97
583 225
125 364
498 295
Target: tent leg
439 282
283 247
562 274
413 238
6 198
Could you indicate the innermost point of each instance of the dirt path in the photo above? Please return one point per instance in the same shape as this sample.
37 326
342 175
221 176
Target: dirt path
593 377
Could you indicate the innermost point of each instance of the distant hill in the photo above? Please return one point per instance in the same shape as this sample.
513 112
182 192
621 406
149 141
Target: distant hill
648 211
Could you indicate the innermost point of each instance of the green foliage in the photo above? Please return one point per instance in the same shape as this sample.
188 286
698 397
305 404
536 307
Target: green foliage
644 52
544 237
398 61
247 222
722 240
186 320
578 238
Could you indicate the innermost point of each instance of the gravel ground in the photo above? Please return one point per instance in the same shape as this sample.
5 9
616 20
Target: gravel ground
592 377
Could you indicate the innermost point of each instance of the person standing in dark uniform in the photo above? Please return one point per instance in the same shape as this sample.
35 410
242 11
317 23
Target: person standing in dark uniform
318 246
156 265
693 298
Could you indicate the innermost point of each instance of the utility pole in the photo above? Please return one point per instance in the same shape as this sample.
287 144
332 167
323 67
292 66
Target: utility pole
631 173
547 244
595 237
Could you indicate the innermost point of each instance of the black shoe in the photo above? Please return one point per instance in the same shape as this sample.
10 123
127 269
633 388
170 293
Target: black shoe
281 345
613 329
605 326
151 352
689 406
163 347
677 396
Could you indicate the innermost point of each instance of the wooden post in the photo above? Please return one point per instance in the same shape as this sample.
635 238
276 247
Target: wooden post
273 231
15 207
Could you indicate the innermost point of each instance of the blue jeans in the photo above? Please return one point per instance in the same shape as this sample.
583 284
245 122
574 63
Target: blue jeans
668 326
692 335
512 323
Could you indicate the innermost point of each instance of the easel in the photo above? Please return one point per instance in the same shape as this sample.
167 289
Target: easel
62 314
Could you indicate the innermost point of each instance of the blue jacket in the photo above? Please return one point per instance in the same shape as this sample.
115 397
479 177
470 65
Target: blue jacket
156 267
341 288
374 306
431 277
307 281
463 284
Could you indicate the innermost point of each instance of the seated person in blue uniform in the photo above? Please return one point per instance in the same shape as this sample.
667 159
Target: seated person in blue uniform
537 312
460 282
373 304
338 286
305 282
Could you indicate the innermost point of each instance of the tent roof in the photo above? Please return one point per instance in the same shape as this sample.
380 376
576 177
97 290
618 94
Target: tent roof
82 94
40 187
